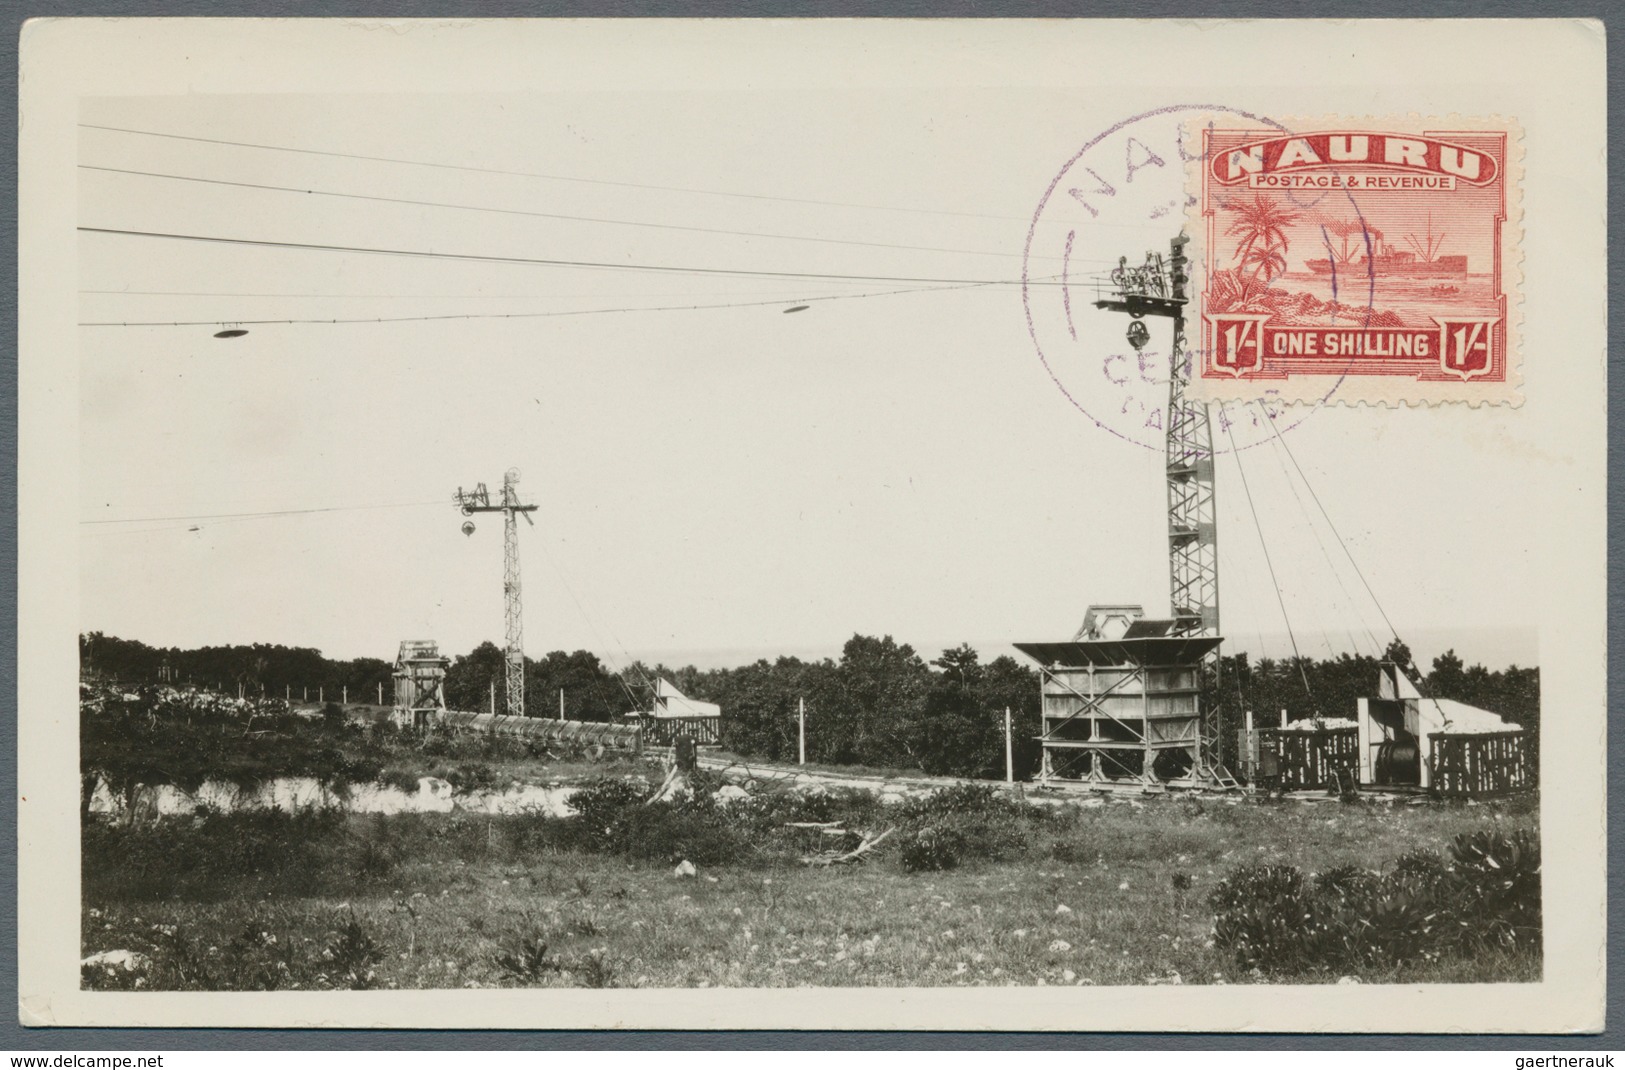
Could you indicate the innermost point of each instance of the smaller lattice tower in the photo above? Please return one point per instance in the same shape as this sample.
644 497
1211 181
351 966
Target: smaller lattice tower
420 683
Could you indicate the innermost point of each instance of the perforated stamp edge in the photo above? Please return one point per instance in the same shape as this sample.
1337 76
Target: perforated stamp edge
1353 382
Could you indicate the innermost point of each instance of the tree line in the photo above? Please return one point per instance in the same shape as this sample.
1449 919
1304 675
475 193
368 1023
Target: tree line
880 704
258 669
1307 688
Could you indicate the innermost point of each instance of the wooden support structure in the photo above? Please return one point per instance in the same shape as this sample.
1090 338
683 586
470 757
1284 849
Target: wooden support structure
420 678
1125 710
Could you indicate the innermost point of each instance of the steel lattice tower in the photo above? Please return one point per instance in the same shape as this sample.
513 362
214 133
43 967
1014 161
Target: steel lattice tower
1159 289
479 501
1193 543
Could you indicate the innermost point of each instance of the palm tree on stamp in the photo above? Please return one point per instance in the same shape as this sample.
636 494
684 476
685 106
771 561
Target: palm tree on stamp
1260 227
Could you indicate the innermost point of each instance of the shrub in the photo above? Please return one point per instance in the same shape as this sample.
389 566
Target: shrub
1341 882
595 971
525 958
374 862
932 849
1421 909
772 809
204 857
974 821
612 817
671 833
1423 866
988 837
473 776
959 799
1501 875
1256 884
351 954
402 779
1265 918
601 802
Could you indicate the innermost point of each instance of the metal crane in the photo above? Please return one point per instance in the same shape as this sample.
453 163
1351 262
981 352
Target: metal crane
478 500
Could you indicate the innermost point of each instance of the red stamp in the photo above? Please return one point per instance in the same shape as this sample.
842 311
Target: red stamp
1369 261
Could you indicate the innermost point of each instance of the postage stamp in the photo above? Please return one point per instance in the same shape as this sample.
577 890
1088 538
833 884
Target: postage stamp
1111 218
1356 260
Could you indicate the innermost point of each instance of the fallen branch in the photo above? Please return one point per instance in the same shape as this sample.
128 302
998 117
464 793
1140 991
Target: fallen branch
857 854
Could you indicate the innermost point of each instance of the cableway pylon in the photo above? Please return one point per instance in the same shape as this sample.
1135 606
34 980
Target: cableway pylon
478 500
1160 288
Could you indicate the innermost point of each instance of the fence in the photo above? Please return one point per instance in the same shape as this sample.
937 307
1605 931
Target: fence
663 731
1310 760
1480 764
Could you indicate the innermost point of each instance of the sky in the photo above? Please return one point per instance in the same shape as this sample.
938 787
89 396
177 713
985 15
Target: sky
713 483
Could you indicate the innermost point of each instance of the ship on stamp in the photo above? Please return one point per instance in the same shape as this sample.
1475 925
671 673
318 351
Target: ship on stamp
1357 263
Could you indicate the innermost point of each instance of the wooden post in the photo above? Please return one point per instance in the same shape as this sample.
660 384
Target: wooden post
321 693
380 692
346 694
493 696
561 703
287 692
1009 758
304 693
801 734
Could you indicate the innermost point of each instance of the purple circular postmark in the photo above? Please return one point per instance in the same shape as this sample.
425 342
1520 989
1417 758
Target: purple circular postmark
1113 209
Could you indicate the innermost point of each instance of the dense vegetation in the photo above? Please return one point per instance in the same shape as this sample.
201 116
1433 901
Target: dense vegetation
184 741
1484 897
880 704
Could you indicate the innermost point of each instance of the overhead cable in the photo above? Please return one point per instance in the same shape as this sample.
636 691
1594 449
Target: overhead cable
554 177
259 514
549 262
518 315
568 217
1264 545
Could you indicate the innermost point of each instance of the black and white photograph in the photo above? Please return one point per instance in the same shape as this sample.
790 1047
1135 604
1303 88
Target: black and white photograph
523 524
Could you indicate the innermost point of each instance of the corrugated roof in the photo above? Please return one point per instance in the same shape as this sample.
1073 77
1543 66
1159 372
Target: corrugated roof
1176 650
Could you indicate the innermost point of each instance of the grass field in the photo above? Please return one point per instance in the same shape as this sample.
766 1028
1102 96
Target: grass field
1112 894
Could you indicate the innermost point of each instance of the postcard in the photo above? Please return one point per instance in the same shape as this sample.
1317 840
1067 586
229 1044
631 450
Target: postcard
990 525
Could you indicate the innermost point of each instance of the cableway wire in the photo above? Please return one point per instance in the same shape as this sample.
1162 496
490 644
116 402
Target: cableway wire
1263 543
631 663
1340 540
486 258
260 515
560 215
1418 681
525 315
532 296
1336 573
559 178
